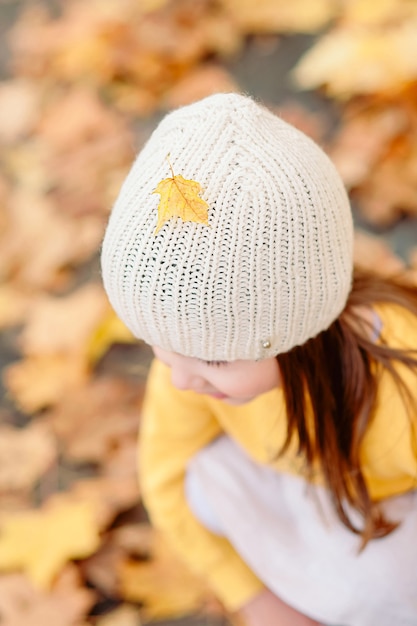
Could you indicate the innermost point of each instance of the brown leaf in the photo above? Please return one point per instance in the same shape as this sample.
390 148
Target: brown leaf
94 421
21 604
107 495
372 253
163 584
64 325
312 124
121 463
103 568
135 539
199 83
25 454
390 190
38 244
86 119
40 381
363 140
19 104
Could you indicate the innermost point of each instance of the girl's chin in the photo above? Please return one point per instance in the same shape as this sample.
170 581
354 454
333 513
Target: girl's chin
216 395
237 401
233 401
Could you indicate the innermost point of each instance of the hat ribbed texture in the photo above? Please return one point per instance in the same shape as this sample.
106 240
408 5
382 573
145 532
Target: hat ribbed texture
274 266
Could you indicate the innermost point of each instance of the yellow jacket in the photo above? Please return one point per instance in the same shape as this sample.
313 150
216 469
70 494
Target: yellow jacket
176 424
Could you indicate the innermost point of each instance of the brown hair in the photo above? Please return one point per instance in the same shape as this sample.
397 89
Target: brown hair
337 374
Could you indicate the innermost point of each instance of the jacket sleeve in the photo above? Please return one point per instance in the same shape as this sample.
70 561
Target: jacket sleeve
174 426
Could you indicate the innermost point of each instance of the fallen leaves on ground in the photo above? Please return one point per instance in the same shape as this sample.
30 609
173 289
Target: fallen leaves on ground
93 421
41 542
163 584
125 615
371 49
22 604
368 60
37 382
270 16
376 153
25 455
372 253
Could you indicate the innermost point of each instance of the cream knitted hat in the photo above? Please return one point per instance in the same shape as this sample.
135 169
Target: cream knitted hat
273 266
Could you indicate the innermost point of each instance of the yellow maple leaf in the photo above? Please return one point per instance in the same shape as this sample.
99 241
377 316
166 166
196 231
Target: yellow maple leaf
42 542
179 198
110 330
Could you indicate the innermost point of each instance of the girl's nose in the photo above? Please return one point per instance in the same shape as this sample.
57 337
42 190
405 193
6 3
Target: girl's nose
183 378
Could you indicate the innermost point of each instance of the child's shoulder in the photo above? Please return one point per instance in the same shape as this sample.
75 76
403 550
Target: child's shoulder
398 325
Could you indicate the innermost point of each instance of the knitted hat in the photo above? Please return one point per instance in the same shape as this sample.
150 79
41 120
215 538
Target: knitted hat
273 266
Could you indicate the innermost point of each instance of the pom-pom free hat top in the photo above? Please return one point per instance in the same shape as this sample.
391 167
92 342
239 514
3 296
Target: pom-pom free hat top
273 266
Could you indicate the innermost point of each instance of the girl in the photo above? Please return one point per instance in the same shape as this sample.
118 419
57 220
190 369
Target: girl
278 444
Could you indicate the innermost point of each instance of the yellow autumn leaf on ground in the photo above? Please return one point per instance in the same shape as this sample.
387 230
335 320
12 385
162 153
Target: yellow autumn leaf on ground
383 12
110 330
351 59
163 584
179 198
41 542
372 48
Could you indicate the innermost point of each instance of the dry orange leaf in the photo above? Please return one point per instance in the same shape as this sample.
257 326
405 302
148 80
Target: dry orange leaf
25 454
21 604
164 585
179 198
39 243
58 325
19 103
86 119
39 381
107 496
374 254
41 542
198 83
102 568
364 139
92 422
349 60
